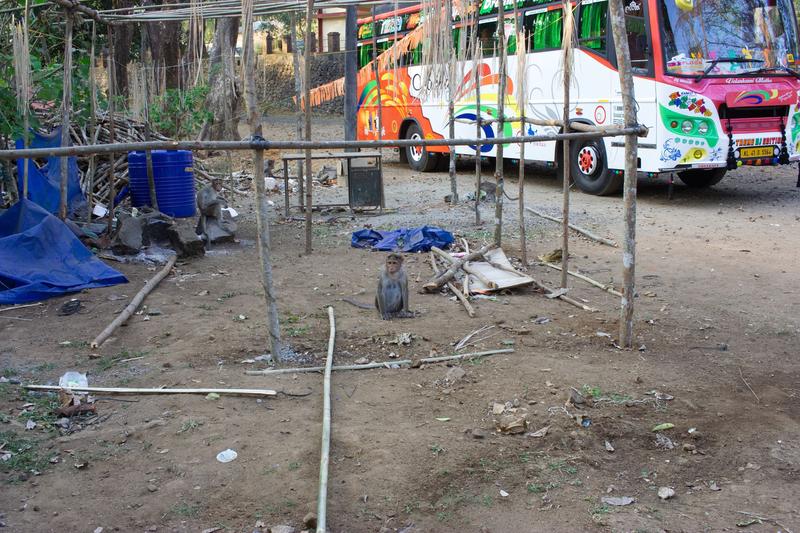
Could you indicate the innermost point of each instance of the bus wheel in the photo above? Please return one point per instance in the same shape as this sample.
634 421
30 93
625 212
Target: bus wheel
699 178
590 168
418 157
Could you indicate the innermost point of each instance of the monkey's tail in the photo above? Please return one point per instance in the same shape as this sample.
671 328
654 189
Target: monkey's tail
360 305
507 196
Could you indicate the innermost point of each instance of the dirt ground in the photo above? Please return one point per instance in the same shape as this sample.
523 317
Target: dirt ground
716 320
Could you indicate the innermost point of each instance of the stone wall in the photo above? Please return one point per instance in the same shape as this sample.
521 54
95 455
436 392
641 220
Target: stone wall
276 81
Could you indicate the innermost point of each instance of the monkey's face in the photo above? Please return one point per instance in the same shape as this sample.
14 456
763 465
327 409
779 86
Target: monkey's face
393 265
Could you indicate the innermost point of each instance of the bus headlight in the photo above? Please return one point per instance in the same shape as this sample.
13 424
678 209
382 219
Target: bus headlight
687 126
702 128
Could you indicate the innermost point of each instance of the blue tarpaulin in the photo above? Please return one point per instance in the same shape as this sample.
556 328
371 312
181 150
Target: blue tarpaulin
410 240
41 258
44 184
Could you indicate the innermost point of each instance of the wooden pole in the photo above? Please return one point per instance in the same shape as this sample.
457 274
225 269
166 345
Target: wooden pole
586 233
477 50
521 73
565 166
298 91
92 125
148 155
112 129
456 266
617 17
451 89
307 103
377 67
26 118
501 102
325 450
135 303
587 279
127 390
461 295
262 212
66 104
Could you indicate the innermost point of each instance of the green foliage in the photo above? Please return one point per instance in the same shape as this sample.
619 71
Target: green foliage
179 114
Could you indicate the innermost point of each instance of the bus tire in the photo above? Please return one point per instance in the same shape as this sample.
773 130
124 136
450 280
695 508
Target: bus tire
589 168
697 178
418 157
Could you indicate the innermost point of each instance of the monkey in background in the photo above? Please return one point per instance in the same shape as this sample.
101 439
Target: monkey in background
210 204
391 296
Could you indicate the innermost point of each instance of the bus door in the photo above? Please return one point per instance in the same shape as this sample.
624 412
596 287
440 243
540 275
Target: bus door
640 44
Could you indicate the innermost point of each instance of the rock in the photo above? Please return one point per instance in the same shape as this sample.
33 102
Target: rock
310 521
282 529
128 240
689 447
155 226
219 231
498 408
152 488
575 397
184 240
454 374
665 493
609 447
478 433
513 423
361 361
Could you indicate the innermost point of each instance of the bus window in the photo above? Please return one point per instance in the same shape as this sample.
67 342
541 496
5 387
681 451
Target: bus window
544 29
592 29
637 35
364 55
488 38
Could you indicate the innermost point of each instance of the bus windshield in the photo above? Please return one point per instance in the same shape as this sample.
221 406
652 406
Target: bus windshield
728 37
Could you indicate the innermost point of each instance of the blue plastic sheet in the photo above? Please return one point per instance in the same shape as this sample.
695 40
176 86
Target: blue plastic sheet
41 258
44 184
409 240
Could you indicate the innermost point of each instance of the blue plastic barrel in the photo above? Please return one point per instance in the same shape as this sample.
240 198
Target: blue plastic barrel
172 172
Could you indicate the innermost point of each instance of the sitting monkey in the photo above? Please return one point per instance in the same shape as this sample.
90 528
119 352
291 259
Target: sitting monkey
391 297
210 204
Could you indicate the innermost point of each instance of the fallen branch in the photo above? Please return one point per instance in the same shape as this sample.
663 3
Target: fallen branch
463 342
135 303
584 232
384 364
551 293
454 268
587 279
748 385
465 267
766 519
126 390
324 455
462 296
19 306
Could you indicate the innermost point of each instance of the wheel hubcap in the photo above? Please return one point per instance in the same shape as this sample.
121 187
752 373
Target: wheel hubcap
587 160
416 151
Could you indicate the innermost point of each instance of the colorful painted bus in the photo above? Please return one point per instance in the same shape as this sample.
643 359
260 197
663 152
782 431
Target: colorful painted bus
716 82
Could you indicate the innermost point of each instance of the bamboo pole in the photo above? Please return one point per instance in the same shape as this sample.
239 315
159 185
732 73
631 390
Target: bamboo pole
66 104
582 231
298 90
384 364
263 144
587 279
148 155
128 390
451 90
112 128
466 267
307 103
377 67
617 16
135 303
567 70
478 51
262 211
27 115
521 101
501 109
324 456
463 296
92 124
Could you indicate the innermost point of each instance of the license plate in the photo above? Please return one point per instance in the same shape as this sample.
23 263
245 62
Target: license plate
757 152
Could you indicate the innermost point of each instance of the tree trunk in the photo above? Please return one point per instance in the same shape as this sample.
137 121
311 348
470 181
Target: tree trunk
123 38
224 92
163 40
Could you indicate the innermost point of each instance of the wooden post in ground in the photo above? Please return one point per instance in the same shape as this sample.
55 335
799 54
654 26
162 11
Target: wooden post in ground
522 46
92 125
566 46
262 211
112 129
66 104
477 50
298 92
501 101
377 67
307 104
148 155
617 16
451 89
27 114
